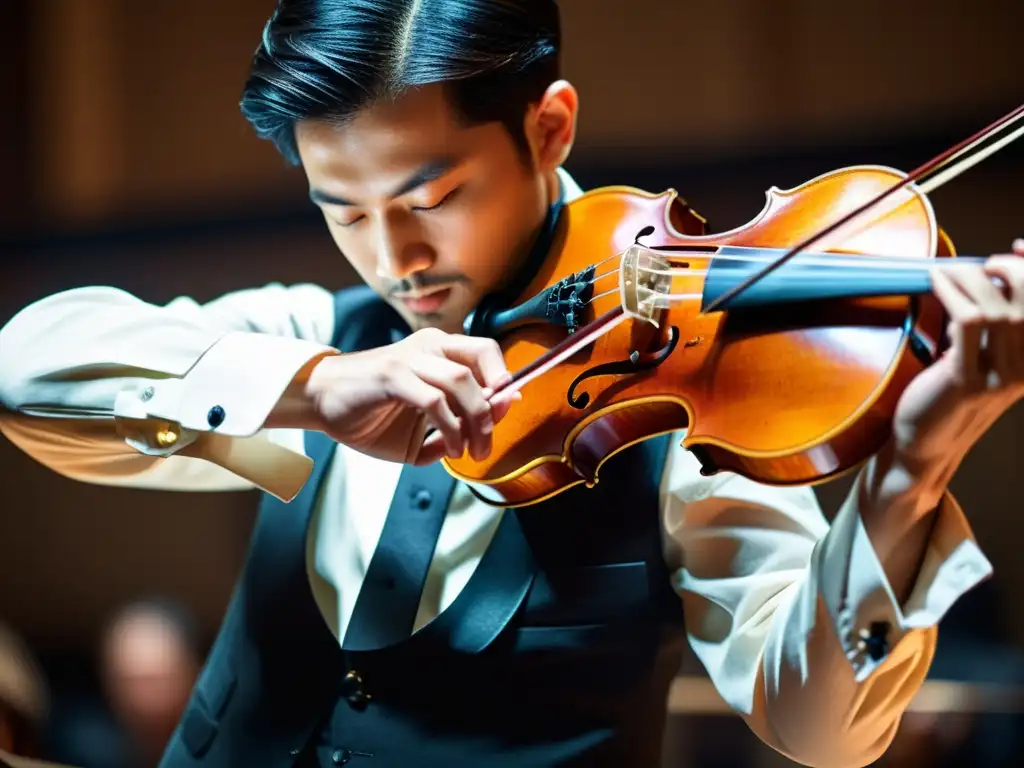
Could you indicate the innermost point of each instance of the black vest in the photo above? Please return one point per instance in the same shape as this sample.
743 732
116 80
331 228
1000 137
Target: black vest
559 651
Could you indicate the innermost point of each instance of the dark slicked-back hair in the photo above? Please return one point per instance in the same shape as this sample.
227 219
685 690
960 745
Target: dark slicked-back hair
329 59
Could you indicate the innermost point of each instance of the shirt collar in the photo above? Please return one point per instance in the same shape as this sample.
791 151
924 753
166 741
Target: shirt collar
570 189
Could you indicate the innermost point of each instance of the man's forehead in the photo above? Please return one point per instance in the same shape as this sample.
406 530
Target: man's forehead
417 122
333 191
388 157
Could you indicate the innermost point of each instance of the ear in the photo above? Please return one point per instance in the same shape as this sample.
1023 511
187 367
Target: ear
551 125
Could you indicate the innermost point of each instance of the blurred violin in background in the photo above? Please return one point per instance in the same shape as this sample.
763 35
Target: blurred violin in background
781 346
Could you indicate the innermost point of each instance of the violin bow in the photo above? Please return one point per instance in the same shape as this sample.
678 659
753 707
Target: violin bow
946 166
954 160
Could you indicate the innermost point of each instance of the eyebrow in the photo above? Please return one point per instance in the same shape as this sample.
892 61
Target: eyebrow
426 173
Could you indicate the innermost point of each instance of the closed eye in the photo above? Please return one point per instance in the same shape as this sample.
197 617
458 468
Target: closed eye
433 207
438 204
348 223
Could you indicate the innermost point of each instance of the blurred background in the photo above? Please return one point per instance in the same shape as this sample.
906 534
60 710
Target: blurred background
125 161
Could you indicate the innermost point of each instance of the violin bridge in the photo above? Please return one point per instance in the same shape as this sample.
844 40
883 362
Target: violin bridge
643 277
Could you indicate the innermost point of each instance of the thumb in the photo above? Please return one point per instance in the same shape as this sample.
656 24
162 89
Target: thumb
502 403
433 449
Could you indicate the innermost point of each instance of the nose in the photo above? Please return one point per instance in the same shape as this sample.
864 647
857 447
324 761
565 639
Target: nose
401 248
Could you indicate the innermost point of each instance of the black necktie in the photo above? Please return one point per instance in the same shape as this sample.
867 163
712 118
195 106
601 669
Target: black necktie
389 599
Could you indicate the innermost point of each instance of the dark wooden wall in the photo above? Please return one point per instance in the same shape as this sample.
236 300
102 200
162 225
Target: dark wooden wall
126 163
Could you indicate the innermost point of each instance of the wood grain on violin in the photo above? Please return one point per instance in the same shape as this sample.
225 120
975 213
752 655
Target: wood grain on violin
823 317
771 393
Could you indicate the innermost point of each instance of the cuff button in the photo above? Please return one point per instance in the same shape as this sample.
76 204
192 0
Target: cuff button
166 437
875 641
215 417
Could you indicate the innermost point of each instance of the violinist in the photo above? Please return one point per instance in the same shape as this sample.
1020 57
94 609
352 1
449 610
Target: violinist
386 616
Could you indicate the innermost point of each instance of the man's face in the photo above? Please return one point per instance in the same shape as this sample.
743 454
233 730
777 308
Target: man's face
431 213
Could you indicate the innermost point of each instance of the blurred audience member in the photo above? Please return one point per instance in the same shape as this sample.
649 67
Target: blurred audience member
23 697
150 658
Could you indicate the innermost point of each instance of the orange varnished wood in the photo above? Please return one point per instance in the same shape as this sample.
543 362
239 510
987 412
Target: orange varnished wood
784 395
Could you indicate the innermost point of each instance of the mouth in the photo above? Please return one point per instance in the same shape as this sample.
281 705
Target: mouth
425 302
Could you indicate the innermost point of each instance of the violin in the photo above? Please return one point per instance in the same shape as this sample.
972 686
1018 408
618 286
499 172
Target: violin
781 347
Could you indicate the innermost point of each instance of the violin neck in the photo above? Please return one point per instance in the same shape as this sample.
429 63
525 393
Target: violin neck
815 277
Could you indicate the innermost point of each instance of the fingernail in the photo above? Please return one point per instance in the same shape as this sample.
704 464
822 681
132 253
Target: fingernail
1018 244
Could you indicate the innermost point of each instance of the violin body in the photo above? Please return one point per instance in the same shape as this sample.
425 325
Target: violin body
787 393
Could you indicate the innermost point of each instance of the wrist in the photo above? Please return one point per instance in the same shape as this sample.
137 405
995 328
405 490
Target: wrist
299 405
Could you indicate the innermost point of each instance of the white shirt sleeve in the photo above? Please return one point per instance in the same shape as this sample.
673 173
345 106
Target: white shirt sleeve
103 387
780 608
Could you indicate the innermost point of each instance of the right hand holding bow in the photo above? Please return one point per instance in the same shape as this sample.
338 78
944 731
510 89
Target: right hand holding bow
383 401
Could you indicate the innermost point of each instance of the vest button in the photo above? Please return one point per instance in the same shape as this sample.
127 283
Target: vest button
341 756
422 499
352 689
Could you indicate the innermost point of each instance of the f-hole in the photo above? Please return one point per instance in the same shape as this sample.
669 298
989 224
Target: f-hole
629 367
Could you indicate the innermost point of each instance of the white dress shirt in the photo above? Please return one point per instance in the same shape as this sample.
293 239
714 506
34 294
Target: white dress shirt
105 388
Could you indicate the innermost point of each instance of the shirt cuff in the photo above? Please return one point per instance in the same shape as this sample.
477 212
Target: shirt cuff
231 390
863 607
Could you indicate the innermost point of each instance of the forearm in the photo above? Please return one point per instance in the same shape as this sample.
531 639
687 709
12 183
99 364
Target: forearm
808 701
103 387
897 505
842 663
802 630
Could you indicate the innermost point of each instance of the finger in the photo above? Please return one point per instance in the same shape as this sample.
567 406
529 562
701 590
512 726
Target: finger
969 355
977 284
465 396
1009 269
1018 246
502 403
1003 354
958 305
482 356
432 401
433 449
964 329
1008 346
1002 310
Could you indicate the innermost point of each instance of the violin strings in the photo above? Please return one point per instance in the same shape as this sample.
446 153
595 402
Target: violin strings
858 213
944 171
601 295
666 300
809 258
867 261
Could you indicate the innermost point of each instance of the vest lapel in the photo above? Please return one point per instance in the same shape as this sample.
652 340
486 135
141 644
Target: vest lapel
488 601
493 595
